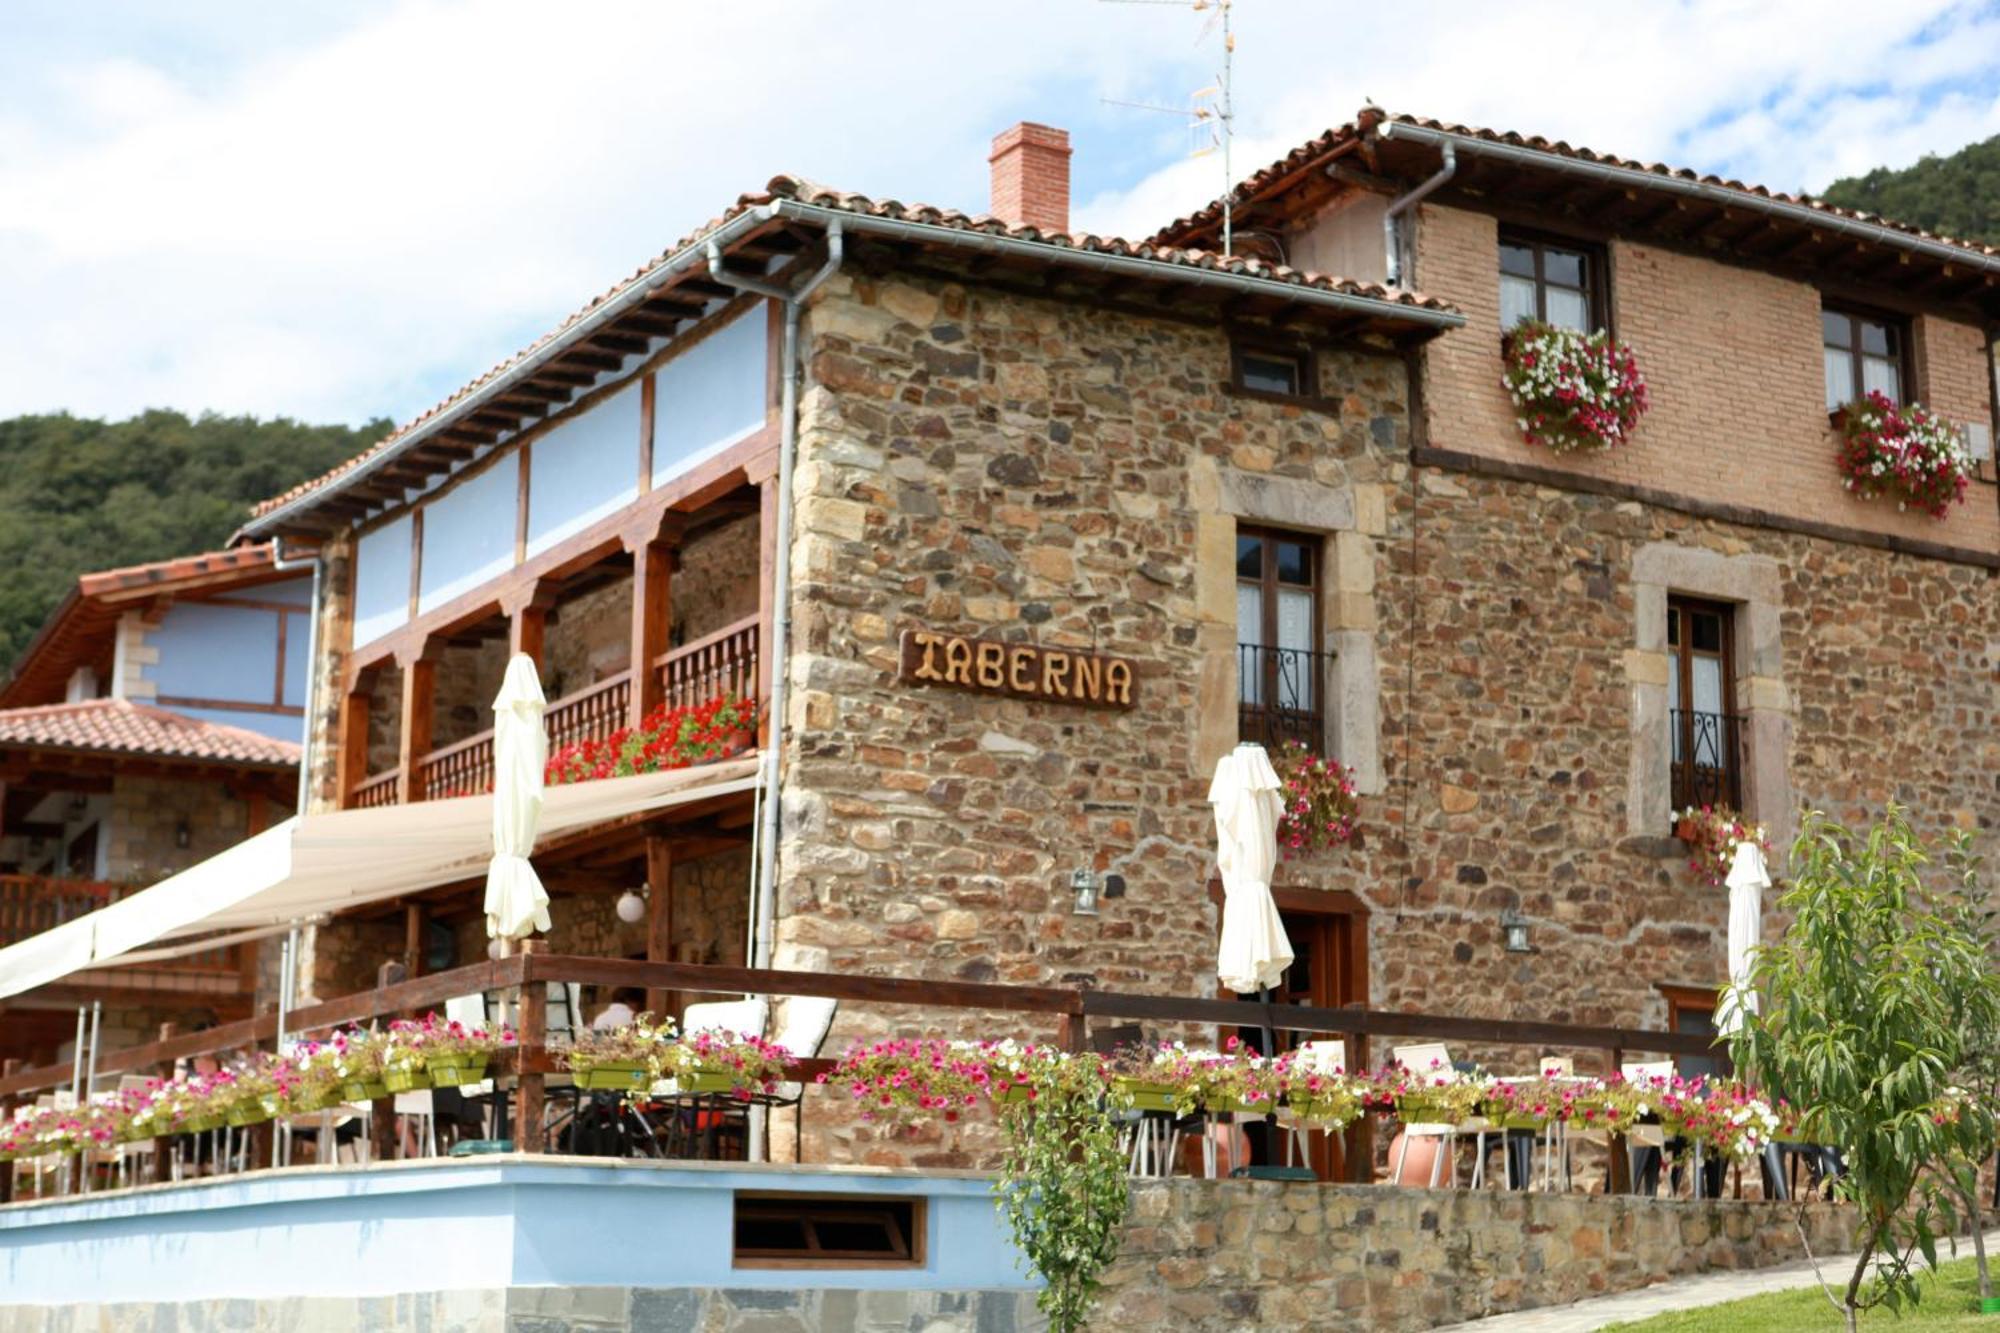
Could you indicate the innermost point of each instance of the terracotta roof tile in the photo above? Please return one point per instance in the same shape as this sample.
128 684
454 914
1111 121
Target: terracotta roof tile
122 727
807 192
1370 117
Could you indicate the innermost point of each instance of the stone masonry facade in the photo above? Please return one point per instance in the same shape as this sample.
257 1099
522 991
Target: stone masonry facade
985 463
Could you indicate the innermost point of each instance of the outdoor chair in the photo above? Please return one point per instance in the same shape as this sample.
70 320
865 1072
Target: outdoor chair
807 1020
1315 1057
1646 1143
702 1127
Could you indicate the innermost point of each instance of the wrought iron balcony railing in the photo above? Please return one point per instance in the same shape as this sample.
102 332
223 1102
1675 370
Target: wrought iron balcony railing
1708 759
1281 695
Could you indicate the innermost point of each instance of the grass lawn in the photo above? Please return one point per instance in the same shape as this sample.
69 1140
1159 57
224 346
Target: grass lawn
1951 1301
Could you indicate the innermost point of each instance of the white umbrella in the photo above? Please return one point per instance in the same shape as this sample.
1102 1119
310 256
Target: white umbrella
1747 881
1248 800
516 903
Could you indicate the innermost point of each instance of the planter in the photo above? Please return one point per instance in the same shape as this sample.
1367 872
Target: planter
244 1114
1146 1096
1686 830
706 1081
273 1104
318 1099
363 1089
405 1079
458 1073
615 1076
201 1124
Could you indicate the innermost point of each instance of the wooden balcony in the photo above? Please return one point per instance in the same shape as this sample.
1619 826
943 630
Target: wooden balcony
719 665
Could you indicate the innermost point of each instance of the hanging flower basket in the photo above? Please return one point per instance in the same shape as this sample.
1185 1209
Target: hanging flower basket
1573 392
1712 834
1906 453
1320 804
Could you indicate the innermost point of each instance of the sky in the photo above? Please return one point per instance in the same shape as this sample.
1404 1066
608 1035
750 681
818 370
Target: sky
340 210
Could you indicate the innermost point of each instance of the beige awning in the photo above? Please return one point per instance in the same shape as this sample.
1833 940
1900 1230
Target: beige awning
318 864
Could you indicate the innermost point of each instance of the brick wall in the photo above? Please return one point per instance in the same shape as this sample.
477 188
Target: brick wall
1732 358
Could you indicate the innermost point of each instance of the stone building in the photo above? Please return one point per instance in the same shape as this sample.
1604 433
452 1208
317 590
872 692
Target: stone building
149 726
1270 504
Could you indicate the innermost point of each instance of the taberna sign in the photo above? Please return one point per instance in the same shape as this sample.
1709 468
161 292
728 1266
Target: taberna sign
1023 670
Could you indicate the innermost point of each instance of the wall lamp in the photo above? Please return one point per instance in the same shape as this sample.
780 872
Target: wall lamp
1514 931
1089 889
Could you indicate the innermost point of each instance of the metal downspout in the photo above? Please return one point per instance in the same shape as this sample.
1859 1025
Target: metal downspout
764 907
1390 240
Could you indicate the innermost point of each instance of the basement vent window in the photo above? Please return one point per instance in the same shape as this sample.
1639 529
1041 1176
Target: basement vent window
827 1231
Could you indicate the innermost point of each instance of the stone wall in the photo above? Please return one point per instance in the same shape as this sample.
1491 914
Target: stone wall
715 581
984 463
467 680
145 818
1202 1255
588 638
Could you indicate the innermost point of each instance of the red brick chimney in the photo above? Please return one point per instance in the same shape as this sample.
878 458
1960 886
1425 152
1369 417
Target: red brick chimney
1031 176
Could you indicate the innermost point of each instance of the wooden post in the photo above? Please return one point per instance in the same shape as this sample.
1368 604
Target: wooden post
351 754
652 617
1618 1171
659 915
1070 1033
264 1145
413 939
419 709
382 1111
1361 1134
534 1043
528 622
8 1068
163 1147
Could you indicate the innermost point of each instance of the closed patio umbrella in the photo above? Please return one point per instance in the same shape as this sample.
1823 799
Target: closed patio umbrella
1747 881
516 903
1248 800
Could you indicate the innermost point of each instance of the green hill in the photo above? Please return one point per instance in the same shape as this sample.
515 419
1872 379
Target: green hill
1957 196
78 494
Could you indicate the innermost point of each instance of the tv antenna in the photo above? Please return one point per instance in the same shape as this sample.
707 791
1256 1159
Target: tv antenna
1212 116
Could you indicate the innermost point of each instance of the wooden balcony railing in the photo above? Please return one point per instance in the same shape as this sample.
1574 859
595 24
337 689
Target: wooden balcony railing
589 714
382 789
722 664
31 904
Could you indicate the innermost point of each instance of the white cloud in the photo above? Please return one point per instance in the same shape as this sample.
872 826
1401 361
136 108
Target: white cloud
358 216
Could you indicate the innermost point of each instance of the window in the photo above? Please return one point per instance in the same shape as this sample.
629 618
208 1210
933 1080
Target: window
1552 282
1280 671
1274 372
1864 355
827 1231
1707 734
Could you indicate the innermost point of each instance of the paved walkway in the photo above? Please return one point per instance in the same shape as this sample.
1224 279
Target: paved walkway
1681 1293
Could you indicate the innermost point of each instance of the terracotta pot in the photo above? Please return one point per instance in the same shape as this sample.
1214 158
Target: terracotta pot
1684 829
1417 1166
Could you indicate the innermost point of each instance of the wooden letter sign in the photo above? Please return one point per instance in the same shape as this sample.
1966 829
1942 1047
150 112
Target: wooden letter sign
1023 670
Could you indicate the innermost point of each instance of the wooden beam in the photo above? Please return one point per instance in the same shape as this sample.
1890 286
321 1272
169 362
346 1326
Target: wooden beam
594 360
419 708
621 342
652 617
351 756
659 915
658 326
413 939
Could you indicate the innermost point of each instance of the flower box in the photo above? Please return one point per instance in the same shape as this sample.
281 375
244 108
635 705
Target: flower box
706 1081
307 1100
201 1124
244 1114
1146 1095
405 1079
615 1076
456 1073
363 1089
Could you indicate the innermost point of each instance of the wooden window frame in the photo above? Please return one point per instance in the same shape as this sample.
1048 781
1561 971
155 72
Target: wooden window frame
1680 660
1693 999
1899 327
1268 585
914 1235
1302 355
1596 271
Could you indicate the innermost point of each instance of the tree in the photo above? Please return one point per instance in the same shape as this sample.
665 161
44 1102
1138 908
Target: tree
1956 196
1063 1188
1964 903
1869 1004
79 495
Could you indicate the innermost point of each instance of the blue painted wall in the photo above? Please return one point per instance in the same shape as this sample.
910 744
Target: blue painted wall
227 650
468 1224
